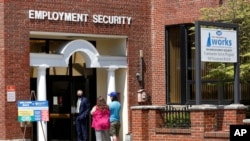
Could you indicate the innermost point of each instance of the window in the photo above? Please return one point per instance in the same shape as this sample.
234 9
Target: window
180 73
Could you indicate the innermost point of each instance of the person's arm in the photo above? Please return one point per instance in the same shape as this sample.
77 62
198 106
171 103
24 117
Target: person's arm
93 110
85 109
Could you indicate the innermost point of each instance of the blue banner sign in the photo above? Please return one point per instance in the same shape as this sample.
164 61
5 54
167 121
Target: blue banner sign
33 111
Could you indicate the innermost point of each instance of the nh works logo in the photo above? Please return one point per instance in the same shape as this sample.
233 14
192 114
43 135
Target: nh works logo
218 40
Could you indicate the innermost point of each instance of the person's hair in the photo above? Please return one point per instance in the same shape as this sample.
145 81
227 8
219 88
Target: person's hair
101 103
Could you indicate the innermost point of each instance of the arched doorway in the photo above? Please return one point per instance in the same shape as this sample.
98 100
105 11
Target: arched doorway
61 88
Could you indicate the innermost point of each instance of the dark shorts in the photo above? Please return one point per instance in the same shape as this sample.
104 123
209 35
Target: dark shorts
115 128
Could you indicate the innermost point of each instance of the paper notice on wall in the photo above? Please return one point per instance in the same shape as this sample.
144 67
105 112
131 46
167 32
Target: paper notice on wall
73 109
11 96
55 100
11 93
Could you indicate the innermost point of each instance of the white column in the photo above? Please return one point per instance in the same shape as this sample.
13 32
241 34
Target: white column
111 81
41 95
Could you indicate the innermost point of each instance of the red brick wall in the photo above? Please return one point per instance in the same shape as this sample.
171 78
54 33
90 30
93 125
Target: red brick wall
210 120
15 66
227 117
146 32
2 72
140 131
157 62
185 11
168 12
210 124
14 45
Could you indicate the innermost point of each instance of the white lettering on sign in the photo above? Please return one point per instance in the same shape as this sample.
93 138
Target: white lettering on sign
111 19
42 15
78 17
239 132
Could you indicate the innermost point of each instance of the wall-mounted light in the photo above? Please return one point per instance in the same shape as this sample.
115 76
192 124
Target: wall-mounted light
141 93
141 57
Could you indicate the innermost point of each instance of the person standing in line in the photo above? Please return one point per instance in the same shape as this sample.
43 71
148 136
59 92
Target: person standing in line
100 120
82 112
115 108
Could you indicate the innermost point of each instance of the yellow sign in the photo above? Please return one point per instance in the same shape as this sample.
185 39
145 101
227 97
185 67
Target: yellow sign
25 112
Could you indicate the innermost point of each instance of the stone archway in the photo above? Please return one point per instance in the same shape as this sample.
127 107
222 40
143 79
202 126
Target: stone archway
84 47
91 55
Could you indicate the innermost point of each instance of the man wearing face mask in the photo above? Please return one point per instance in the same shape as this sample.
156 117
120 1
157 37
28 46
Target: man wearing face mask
82 112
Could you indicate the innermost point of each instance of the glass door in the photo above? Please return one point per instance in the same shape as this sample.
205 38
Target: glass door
61 94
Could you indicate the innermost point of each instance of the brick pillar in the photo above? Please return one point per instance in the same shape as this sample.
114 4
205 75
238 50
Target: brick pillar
144 121
203 119
155 121
206 118
197 121
231 114
210 120
139 124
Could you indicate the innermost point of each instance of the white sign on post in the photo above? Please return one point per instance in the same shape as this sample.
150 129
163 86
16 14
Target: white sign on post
218 45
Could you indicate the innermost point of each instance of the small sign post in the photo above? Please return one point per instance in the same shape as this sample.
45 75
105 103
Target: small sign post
219 43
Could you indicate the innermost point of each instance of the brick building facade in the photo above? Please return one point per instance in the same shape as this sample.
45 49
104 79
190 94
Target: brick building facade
145 31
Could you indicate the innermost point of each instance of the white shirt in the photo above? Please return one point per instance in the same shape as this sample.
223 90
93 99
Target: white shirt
78 105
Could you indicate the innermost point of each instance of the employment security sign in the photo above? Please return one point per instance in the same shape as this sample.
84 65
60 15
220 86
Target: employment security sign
33 111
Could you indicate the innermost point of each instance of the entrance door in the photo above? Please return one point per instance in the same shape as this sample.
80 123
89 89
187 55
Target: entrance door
59 97
61 94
